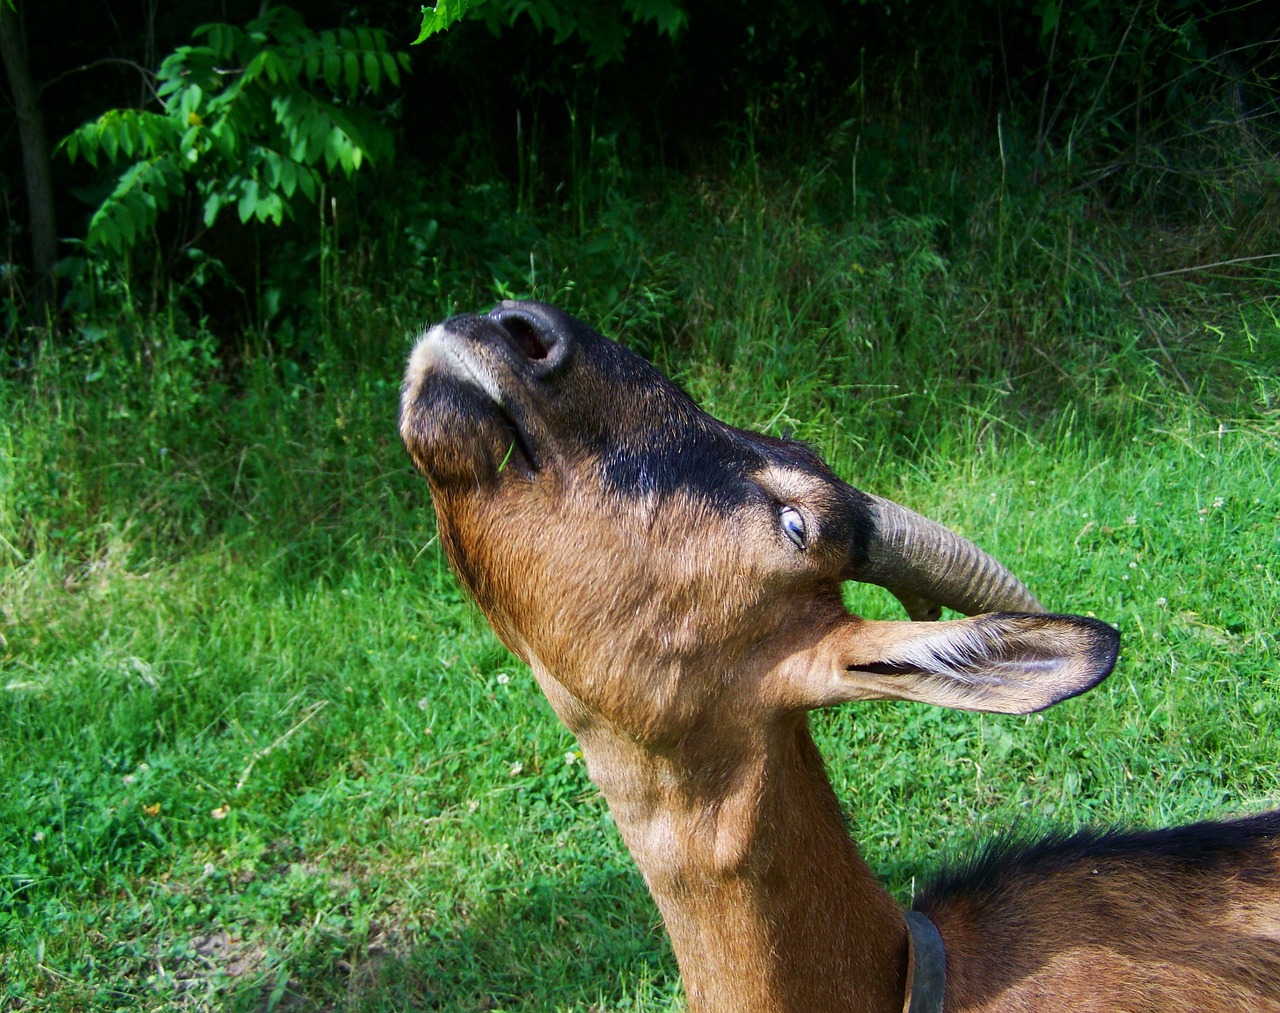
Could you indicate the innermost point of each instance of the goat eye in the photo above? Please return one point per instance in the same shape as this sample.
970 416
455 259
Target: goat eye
792 525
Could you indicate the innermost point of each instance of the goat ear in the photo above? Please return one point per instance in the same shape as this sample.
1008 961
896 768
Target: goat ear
1004 662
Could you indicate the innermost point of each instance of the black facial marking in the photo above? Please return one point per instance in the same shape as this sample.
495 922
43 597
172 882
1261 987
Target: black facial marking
708 466
574 394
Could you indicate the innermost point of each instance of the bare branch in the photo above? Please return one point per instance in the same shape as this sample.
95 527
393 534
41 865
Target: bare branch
148 76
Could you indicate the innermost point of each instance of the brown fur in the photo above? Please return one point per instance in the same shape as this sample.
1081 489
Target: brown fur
1186 919
632 550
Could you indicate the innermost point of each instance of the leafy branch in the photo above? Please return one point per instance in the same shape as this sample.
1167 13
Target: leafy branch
597 23
253 118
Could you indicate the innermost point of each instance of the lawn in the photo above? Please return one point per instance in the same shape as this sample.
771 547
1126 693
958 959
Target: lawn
259 751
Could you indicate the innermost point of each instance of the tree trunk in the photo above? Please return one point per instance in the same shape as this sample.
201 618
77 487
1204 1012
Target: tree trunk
35 159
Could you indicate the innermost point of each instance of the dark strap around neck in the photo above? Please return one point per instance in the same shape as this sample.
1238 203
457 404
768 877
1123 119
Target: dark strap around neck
926 966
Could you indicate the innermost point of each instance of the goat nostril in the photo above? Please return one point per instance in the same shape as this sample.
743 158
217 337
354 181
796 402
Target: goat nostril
528 339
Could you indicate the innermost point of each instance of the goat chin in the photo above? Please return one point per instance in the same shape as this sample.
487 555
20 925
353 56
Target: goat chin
676 585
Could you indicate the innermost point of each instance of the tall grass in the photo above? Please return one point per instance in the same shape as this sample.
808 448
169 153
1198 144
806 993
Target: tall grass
259 752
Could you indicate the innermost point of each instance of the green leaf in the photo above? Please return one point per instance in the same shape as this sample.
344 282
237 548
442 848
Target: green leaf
190 104
271 207
1049 18
443 16
110 142
212 205
222 38
89 137
333 145
372 71
171 75
669 15
391 70
256 66
270 65
129 136
307 182
118 227
248 201
159 197
130 210
225 137
341 116
271 168
351 68
188 147
288 177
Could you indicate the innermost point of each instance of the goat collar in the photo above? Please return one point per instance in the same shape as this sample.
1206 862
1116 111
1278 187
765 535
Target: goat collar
926 966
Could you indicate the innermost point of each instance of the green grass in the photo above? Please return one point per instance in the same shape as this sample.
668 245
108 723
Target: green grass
260 753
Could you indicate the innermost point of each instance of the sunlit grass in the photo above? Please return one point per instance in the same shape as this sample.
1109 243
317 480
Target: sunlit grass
258 750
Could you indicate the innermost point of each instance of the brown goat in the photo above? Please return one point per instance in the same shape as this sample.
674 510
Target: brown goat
675 585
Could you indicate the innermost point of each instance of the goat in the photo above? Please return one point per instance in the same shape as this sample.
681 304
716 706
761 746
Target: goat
674 583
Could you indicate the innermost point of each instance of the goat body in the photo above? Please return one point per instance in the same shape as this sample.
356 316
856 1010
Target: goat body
675 586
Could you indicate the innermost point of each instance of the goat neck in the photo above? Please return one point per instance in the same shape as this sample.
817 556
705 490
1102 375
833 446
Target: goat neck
743 846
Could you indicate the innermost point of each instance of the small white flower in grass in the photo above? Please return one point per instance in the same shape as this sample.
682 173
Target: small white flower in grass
473 805
503 678
422 704
1131 520
128 779
1133 565
516 769
1162 601
1217 503
221 812
571 757
38 836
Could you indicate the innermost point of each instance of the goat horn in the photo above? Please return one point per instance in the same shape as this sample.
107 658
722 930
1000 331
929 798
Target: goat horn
926 566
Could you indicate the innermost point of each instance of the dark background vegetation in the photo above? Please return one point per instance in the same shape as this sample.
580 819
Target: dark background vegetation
1015 263
1162 113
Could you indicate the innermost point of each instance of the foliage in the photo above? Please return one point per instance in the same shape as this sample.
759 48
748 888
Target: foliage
260 746
443 16
253 119
603 27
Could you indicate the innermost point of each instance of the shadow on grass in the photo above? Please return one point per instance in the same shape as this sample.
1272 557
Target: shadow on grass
589 940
